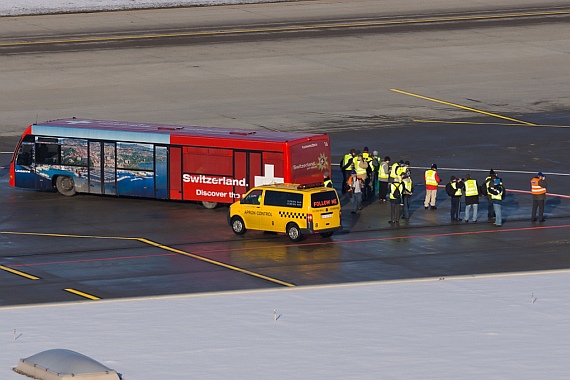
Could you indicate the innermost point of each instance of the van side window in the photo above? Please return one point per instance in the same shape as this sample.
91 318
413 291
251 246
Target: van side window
283 199
294 200
253 198
275 198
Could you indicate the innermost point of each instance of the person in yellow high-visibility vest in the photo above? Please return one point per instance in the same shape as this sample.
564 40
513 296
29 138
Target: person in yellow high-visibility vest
472 194
497 193
432 181
383 179
346 166
455 190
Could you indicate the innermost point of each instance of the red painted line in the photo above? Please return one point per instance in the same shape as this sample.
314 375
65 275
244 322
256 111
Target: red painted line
494 230
427 236
529 192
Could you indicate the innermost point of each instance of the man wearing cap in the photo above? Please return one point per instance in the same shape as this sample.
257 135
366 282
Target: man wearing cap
485 190
432 180
538 188
327 181
455 190
497 192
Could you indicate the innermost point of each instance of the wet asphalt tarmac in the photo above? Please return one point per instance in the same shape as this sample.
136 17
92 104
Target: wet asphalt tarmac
60 249
65 249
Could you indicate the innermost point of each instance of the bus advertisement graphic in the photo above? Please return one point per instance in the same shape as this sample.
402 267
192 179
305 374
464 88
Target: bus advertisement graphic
187 163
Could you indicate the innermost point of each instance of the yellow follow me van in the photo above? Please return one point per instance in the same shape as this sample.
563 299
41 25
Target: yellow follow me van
289 208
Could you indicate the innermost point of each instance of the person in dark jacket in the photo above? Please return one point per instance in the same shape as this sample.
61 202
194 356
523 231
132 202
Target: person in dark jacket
538 189
455 190
472 194
489 181
497 194
407 192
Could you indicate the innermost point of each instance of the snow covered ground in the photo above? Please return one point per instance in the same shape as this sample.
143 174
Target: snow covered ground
487 327
495 327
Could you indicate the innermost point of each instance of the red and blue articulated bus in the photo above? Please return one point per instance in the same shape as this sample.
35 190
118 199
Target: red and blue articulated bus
186 163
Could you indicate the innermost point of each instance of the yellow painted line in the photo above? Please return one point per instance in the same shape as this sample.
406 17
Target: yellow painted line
462 107
14 271
292 28
489 123
82 294
218 263
67 235
158 245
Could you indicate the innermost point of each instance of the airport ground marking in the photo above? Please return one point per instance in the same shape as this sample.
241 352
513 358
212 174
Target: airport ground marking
487 123
343 25
218 263
115 258
19 273
462 107
164 247
82 294
387 238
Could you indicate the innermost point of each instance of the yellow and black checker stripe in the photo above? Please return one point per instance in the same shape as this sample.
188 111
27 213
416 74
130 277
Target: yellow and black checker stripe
292 215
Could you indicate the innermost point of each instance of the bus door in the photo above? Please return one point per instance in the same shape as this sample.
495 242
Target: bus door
95 172
246 165
109 168
47 157
161 172
175 170
102 168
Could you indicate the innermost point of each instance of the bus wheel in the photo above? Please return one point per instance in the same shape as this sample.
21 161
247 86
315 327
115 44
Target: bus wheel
65 185
294 232
238 225
326 234
210 205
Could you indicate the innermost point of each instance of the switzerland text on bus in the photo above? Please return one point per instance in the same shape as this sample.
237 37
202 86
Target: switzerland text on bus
208 165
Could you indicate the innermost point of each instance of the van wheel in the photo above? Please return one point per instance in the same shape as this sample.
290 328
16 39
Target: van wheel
238 225
65 185
294 232
326 234
210 205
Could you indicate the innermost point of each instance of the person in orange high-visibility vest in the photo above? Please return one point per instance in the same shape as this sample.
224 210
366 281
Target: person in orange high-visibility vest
538 189
432 180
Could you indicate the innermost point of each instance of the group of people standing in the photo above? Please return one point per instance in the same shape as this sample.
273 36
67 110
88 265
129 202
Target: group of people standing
492 189
366 173
495 193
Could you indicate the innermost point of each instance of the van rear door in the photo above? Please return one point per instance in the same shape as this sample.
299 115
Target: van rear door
325 208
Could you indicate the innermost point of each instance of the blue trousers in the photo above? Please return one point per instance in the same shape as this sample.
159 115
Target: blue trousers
498 215
468 208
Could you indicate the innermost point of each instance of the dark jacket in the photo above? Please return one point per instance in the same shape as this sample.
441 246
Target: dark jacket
454 192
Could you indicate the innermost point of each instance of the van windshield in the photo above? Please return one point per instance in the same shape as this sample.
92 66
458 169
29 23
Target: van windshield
324 199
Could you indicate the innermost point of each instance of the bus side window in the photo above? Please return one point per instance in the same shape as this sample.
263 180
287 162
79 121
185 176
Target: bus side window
47 154
24 155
